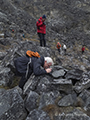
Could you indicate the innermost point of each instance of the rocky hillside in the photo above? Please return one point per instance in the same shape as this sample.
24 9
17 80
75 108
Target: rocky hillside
64 94
67 22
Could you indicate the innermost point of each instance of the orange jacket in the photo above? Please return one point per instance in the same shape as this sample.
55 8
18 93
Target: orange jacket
58 45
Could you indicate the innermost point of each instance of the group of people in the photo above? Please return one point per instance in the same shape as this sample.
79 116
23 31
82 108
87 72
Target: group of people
60 48
64 48
41 31
33 62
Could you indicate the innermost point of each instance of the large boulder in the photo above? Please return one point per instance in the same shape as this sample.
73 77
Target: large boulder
12 106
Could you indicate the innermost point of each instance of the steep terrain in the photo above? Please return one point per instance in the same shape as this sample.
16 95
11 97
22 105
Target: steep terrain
64 94
67 22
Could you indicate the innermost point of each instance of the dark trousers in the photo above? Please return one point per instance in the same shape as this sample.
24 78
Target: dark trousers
64 51
23 79
22 82
42 39
82 51
59 50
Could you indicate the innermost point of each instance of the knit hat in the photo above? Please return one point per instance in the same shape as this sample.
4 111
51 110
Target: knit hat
44 16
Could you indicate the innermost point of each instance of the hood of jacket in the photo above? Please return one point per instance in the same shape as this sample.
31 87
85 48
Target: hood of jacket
40 18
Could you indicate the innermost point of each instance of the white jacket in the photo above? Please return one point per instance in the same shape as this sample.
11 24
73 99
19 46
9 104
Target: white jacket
64 46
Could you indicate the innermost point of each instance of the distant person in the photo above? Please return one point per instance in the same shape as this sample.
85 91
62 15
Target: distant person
12 30
83 49
41 30
64 48
58 47
23 36
32 63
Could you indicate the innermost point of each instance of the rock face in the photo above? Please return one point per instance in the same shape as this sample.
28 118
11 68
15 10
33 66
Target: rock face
64 94
67 20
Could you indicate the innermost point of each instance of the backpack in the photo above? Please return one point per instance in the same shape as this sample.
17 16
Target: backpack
31 53
22 64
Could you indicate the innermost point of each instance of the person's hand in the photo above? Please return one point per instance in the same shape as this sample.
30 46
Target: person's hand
48 70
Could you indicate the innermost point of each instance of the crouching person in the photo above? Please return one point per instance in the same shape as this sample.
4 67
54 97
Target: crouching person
26 65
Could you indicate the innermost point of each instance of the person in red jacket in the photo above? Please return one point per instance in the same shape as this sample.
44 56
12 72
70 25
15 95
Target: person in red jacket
41 29
83 49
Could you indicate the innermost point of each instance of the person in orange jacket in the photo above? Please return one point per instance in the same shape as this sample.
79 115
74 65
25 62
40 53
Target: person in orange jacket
58 46
41 29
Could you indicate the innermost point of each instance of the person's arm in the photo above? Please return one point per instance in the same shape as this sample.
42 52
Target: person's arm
39 23
37 70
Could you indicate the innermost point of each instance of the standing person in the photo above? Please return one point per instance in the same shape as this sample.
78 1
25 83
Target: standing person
41 29
64 48
27 65
83 49
58 46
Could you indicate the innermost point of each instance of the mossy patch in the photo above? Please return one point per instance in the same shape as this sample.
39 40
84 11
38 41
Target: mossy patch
54 110
5 87
15 82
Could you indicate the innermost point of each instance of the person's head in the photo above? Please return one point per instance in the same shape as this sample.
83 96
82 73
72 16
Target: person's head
48 62
83 45
44 18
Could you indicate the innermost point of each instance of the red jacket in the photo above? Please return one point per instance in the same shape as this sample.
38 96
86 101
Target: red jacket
83 48
41 27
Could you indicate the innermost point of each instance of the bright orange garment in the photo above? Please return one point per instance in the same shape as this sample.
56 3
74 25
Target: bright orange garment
58 45
31 53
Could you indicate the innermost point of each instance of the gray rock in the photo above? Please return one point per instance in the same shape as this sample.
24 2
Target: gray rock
12 106
58 67
2 55
2 90
66 101
38 114
62 85
58 73
48 98
32 101
85 85
75 74
6 76
75 114
30 84
84 95
43 85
